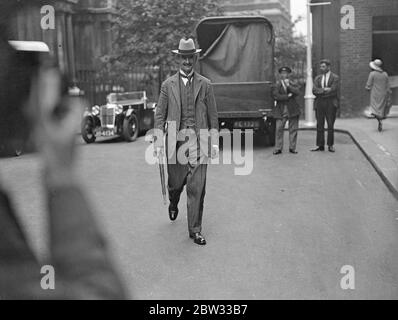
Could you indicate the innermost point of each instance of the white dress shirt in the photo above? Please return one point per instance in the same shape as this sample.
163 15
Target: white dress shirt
325 77
185 77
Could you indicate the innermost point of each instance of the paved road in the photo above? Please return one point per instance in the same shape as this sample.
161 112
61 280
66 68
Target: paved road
284 232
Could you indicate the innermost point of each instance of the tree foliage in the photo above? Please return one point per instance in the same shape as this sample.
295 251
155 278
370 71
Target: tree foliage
290 49
147 30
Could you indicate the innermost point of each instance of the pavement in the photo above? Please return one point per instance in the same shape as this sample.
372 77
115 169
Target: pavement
379 148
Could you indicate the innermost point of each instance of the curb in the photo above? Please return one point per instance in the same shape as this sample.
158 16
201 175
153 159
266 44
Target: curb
377 168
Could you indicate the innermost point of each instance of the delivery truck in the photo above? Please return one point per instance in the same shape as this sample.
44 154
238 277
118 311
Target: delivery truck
238 57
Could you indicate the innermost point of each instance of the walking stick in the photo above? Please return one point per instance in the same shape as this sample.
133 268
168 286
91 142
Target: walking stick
162 161
162 177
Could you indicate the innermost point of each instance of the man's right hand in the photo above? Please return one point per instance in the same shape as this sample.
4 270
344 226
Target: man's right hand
158 152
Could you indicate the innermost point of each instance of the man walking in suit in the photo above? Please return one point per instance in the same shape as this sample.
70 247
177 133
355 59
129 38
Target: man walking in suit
326 87
287 108
188 107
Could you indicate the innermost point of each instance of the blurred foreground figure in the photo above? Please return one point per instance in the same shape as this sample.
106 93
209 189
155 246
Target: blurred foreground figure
40 107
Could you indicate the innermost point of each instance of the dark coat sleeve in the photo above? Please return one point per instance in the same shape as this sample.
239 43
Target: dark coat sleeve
162 107
294 88
78 249
161 113
334 86
277 95
19 268
78 253
212 114
318 90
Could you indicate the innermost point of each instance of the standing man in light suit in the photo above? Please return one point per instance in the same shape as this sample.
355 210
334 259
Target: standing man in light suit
188 106
326 87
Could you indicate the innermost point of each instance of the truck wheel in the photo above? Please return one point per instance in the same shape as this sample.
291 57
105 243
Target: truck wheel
88 131
130 128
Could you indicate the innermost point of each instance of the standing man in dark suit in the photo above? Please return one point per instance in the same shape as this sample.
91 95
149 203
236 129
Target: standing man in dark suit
188 107
326 87
287 108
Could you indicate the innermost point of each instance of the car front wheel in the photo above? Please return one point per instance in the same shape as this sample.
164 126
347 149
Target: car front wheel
130 128
88 133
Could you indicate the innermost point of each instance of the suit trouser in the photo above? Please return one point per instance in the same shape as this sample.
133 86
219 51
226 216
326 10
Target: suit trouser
293 132
194 177
326 110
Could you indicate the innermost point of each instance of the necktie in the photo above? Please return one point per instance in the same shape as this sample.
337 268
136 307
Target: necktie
284 86
326 81
188 77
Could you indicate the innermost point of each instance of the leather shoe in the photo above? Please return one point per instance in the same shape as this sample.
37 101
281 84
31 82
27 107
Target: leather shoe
318 149
173 212
276 152
198 238
293 151
332 149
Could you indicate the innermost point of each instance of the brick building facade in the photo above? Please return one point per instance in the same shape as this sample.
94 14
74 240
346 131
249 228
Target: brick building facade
351 34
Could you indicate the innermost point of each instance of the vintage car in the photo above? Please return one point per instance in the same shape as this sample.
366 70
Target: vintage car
125 114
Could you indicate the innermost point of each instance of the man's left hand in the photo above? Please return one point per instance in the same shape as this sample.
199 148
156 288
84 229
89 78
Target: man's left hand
215 151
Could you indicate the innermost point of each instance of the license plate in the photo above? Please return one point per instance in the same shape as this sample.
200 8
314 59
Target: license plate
246 124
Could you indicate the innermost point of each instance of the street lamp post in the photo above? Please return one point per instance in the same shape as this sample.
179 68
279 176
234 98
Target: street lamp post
309 96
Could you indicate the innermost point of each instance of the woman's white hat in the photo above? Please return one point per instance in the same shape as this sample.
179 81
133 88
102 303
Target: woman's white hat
376 65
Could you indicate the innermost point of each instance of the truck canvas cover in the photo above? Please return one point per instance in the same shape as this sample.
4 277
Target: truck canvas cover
236 50
237 56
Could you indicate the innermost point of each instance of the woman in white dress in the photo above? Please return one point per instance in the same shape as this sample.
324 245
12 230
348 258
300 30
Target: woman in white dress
379 86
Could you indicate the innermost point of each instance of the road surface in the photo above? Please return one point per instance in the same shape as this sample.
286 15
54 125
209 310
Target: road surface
283 232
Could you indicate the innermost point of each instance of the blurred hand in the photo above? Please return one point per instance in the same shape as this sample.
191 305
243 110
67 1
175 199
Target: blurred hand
327 90
57 119
159 152
290 95
215 151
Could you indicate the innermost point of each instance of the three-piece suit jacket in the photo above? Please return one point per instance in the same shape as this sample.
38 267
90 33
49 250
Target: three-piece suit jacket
321 95
168 110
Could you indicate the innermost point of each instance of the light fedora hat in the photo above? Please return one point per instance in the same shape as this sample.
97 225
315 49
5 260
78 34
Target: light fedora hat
376 65
186 47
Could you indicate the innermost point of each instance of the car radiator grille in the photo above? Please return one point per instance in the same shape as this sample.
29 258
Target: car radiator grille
107 117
